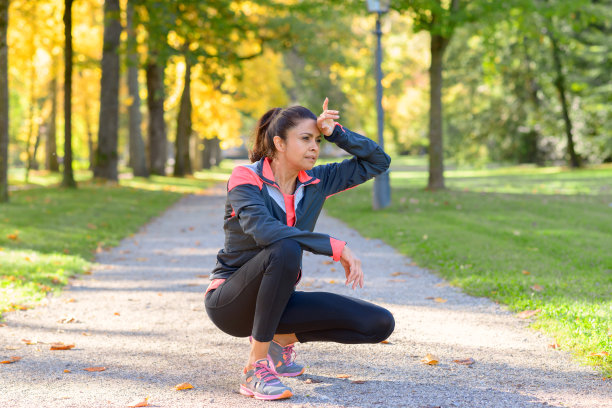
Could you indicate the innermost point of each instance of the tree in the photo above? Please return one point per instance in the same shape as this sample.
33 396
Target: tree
182 162
440 22
68 179
4 101
138 160
51 163
106 155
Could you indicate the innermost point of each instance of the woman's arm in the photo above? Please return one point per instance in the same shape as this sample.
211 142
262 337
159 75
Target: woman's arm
255 219
369 160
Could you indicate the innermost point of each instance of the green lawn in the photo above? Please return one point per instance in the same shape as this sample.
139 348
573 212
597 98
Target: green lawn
48 234
530 238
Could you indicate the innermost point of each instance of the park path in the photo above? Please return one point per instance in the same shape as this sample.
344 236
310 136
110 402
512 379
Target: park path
142 314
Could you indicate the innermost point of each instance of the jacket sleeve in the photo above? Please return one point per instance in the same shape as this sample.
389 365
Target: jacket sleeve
256 220
369 160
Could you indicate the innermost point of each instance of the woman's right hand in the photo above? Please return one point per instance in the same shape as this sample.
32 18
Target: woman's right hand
352 267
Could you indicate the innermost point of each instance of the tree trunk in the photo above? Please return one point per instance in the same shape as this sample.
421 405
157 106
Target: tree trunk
436 152
91 149
138 160
157 126
574 160
217 155
207 154
51 163
32 163
211 156
68 180
4 102
182 162
108 128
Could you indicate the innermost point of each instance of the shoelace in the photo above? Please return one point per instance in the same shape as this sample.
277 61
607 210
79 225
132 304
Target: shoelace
288 355
263 372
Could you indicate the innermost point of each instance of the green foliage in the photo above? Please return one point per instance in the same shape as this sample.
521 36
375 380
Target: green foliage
494 224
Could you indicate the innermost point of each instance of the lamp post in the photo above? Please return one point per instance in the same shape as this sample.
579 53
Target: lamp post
382 189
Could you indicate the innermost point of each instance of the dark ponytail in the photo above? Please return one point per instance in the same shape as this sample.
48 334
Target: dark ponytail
276 122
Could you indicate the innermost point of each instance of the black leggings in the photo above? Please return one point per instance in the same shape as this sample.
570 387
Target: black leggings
260 299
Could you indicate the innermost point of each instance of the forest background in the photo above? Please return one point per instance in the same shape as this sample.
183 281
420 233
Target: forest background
162 86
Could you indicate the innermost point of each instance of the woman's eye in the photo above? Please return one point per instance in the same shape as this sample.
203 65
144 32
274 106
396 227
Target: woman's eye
318 141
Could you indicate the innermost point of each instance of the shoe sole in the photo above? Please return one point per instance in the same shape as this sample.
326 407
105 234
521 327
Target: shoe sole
245 391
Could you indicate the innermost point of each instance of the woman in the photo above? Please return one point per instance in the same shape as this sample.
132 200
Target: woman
271 210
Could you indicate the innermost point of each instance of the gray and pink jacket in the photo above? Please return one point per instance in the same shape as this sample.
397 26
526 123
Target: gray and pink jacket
258 214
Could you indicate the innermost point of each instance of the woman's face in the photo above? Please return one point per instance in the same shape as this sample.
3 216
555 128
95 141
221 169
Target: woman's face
301 147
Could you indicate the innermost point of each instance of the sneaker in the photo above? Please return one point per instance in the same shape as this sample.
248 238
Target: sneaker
282 360
261 382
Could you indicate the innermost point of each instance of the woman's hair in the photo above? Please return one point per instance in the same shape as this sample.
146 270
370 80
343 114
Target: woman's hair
276 122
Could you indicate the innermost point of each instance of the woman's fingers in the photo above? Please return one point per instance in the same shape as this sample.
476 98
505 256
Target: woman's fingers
325 103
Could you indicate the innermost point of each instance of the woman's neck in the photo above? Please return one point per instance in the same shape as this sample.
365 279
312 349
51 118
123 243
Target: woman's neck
284 176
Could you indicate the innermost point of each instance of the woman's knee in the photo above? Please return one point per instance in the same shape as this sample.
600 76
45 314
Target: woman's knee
287 253
382 324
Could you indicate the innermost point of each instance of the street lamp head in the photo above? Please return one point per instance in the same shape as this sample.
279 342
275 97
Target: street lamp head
378 6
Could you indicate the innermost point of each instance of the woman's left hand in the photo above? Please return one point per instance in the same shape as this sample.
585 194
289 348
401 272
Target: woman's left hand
326 120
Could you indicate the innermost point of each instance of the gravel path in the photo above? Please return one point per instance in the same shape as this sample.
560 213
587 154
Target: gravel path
140 314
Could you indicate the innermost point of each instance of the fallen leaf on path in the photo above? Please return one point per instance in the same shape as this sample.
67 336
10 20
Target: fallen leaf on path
30 342
61 346
524 272
397 280
197 243
358 382
117 314
554 345
95 369
2 324
430 359
11 360
67 371
526 314
12 347
71 300
203 276
191 228
328 262
440 300
537 288
193 284
312 381
343 376
600 354
183 386
139 403
332 282
67 319
467 361
385 342
86 334
142 259
332 269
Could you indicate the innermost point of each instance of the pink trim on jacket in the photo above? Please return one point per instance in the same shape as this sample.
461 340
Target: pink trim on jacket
337 247
242 175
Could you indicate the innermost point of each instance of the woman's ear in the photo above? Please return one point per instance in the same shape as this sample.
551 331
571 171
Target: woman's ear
279 143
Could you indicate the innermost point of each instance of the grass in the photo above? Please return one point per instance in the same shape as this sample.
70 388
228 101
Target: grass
48 234
530 238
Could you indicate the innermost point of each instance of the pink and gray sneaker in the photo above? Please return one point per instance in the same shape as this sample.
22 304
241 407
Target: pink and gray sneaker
261 382
282 359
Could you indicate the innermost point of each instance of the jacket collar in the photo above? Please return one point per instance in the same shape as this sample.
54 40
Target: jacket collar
264 171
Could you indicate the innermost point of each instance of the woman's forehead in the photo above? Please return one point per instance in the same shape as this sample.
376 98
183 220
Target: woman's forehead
306 126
